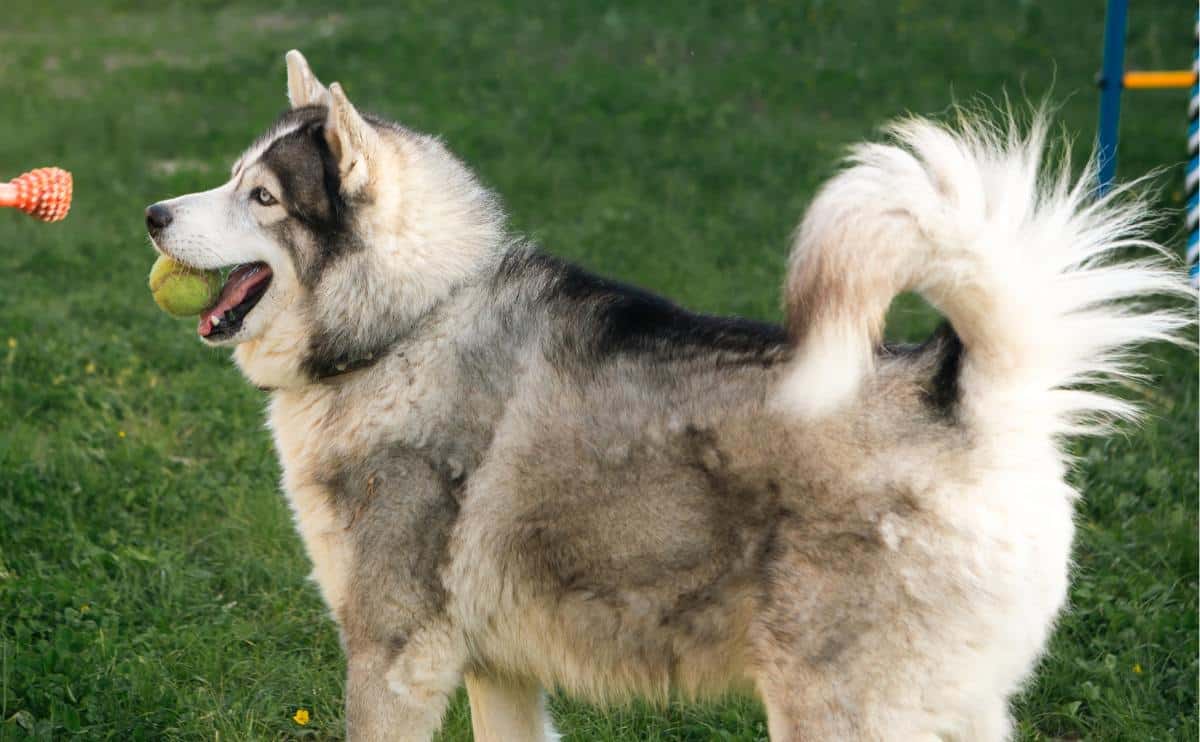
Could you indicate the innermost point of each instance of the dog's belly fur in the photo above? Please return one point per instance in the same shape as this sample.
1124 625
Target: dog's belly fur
616 566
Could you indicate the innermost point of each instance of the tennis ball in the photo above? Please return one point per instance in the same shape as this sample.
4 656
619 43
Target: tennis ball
183 291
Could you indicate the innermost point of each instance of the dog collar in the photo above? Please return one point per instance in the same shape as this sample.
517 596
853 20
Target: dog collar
332 372
342 366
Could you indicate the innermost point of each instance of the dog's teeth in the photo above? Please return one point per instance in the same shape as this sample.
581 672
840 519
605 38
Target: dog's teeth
216 320
340 367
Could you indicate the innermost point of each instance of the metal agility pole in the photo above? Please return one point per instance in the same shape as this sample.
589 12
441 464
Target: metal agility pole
1113 80
1110 82
1192 179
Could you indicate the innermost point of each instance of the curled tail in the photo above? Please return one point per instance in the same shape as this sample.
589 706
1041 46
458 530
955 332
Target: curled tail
1023 262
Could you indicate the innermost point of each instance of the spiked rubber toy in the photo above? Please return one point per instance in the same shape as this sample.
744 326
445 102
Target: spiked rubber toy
44 193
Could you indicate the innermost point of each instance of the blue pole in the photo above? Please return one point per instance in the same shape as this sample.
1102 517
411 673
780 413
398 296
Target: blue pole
1192 177
1111 82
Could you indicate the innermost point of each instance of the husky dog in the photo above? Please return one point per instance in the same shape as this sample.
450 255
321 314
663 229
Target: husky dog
513 474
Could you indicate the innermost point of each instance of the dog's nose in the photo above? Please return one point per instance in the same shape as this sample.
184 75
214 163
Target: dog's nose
158 217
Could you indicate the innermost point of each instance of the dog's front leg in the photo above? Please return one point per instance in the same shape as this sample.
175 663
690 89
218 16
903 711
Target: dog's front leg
508 710
399 694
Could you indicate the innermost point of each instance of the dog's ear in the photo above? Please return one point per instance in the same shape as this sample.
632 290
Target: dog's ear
304 89
351 139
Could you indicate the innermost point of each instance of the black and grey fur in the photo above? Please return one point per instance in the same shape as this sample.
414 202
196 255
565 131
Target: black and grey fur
511 473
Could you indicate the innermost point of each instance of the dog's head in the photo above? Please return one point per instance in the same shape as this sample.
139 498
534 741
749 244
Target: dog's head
340 231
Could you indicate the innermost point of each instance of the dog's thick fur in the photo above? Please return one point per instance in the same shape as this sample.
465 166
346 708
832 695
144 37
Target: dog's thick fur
510 473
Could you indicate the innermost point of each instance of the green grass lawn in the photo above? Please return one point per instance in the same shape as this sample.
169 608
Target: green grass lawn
151 586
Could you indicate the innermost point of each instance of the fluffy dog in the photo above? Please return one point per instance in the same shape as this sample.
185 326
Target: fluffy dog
511 473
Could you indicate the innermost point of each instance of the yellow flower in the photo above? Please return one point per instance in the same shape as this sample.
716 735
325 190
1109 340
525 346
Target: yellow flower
120 433
90 368
12 343
1137 669
301 717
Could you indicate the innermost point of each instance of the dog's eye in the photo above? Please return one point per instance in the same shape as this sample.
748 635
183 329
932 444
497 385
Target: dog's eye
263 196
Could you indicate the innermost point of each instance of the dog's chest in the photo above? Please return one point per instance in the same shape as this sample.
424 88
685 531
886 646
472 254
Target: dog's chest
297 424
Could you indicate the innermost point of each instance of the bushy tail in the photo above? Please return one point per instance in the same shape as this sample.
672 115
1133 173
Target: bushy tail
1033 273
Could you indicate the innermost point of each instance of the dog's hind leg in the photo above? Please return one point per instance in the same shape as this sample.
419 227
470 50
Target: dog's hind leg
803 711
508 711
789 720
991 722
400 693
804 706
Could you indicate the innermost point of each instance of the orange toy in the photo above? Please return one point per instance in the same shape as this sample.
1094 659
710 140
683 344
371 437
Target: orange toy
44 193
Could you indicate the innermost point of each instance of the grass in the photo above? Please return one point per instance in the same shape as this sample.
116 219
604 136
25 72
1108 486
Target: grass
151 586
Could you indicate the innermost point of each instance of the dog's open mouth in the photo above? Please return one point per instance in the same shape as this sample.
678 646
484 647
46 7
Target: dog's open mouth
242 291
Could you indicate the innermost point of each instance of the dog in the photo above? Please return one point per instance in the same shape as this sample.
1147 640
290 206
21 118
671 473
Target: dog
512 474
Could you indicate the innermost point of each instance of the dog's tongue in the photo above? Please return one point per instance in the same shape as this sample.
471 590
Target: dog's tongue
241 281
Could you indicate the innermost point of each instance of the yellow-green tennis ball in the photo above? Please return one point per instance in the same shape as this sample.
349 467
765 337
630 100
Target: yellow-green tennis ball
183 291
